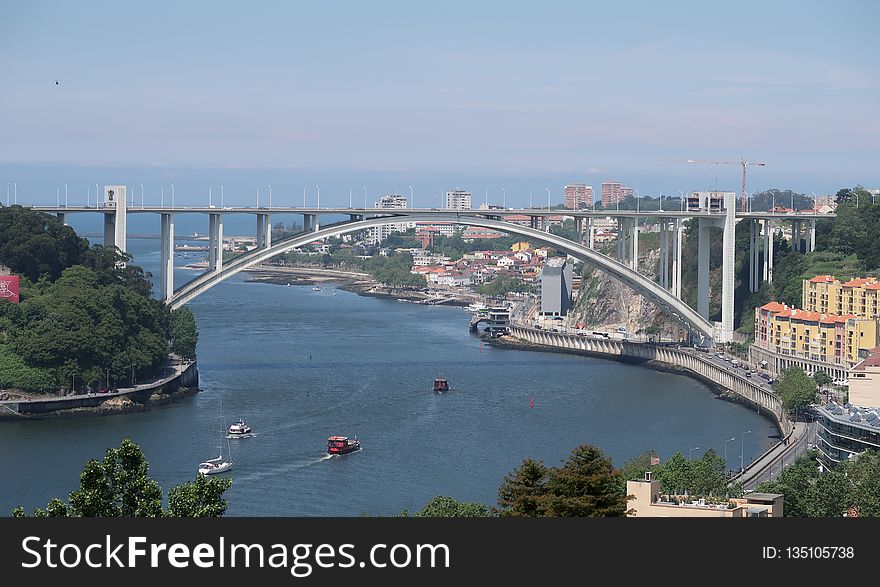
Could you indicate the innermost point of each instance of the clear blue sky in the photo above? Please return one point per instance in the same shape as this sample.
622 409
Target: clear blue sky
480 95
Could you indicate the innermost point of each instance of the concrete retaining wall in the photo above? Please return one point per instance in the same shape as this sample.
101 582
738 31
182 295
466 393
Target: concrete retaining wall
185 376
690 362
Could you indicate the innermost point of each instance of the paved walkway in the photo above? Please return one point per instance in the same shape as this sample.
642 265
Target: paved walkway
770 464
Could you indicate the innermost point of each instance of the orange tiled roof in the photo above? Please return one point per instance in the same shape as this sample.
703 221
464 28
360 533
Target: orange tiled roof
873 286
823 279
859 281
774 307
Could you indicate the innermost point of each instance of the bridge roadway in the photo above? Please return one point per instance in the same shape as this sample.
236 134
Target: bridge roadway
690 319
490 212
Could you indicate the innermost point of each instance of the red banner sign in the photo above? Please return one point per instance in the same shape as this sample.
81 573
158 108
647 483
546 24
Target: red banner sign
9 288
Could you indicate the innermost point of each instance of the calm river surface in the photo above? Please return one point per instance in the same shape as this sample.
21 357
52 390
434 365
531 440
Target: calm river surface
300 365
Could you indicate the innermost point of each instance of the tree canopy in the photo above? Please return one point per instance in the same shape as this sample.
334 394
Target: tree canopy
796 389
119 486
586 485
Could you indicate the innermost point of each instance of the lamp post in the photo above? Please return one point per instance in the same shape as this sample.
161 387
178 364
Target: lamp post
548 204
319 196
691 451
108 379
682 200
742 468
96 196
65 195
638 197
504 198
661 201
411 197
132 374
210 193
270 195
172 196
725 451
530 199
72 384
365 196
142 196
221 196
349 198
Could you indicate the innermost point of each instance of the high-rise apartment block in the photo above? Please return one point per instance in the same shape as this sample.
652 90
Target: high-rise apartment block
389 202
578 195
458 200
610 193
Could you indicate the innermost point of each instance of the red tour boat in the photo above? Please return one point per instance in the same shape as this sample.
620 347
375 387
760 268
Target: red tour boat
441 385
342 445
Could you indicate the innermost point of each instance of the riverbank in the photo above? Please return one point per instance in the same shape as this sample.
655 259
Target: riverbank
726 386
181 380
360 283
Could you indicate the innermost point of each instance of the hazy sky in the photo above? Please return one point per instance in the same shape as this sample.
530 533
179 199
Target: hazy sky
474 94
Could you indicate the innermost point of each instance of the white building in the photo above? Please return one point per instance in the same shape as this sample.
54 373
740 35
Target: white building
458 200
389 202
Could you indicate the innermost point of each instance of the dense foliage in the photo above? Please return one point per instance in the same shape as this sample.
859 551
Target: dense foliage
502 285
444 506
796 389
86 317
118 486
184 334
586 485
852 488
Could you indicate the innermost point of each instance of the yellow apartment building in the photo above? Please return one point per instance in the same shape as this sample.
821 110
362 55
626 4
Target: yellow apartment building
827 295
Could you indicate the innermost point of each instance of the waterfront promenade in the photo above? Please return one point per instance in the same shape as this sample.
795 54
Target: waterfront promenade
176 373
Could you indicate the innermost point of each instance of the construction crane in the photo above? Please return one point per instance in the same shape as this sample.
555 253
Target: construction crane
742 162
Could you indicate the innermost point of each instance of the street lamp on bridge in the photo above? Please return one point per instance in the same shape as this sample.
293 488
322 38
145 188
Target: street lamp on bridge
412 198
725 451
365 196
270 195
742 468
691 451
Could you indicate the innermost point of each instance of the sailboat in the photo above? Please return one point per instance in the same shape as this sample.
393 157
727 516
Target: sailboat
218 465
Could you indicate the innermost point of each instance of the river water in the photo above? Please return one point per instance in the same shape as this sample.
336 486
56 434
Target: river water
300 365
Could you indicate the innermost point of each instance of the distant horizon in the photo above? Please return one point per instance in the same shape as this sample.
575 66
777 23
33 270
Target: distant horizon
483 96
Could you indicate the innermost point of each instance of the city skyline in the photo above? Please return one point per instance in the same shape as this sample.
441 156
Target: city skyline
513 99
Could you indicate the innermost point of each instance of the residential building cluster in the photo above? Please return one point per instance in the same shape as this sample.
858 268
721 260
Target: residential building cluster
836 332
521 261
614 192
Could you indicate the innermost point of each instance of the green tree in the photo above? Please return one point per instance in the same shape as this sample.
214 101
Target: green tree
676 474
829 496
795 483
184 333
796 389
503 285
118 486
443 506
587 485
201 498
522 493
822 378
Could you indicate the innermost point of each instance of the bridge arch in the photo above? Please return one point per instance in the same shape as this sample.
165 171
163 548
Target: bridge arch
671 305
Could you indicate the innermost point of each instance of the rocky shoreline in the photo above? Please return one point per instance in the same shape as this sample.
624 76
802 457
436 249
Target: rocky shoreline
360 283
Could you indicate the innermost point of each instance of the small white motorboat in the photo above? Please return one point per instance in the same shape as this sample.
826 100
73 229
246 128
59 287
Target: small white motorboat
240 430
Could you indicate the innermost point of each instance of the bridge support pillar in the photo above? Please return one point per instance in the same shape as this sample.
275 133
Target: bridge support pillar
664 253
264 231
114 218
592 238
796 235
676 257
533 222
754 255
215 242
167 236
62 216
622 238
310 222
811 239
768 250
728 262
579 229
635 245
703 227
